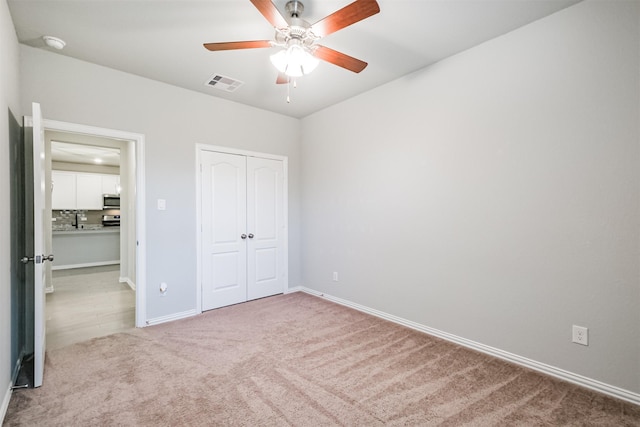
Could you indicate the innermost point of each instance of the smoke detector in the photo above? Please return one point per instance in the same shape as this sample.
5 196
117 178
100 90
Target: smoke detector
54 42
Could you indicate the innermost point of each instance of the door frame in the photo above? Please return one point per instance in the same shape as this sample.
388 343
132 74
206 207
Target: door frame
138 141
227 150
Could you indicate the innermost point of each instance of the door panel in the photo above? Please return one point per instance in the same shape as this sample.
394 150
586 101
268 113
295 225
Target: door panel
265 221
224 259
39 282
266 264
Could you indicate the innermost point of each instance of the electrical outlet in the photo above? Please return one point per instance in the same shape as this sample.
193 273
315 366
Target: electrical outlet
335 276
580 335
163 289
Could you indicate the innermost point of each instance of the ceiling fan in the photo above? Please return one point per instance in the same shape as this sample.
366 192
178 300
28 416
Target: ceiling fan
297 38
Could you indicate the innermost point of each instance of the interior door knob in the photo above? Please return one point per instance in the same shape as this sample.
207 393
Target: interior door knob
38 259
251 235
243 236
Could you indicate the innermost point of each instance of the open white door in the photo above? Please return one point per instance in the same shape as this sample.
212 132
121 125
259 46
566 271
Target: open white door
39 245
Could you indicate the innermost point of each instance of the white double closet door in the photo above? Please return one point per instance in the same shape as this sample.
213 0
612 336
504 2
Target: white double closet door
243 229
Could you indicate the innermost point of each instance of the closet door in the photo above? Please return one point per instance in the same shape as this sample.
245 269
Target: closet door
224 249
265 227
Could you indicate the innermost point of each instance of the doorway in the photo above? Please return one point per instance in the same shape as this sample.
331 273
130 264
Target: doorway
91 290
132 269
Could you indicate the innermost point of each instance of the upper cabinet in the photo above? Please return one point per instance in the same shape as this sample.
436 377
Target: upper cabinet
110 184
88 191
64 190
79 190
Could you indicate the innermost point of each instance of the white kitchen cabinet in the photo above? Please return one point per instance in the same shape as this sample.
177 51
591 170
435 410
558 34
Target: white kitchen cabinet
64 190
110 184
79 190
88 191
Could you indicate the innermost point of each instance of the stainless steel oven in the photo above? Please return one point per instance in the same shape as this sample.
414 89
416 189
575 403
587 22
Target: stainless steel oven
110 220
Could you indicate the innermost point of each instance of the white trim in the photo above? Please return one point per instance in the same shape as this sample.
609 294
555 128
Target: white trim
285 220
83 265
141 258
226 150
9 392
141 237
128 281
172 317
571 377
5 402
198 229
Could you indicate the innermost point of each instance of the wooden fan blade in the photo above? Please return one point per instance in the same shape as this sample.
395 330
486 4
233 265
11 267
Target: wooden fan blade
255 44
350 14
269 11
282 79
340 59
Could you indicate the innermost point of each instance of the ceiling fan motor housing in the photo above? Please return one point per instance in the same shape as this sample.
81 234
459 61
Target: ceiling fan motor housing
298 30
294 8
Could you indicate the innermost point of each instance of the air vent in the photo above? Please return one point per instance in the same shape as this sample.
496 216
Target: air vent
224 83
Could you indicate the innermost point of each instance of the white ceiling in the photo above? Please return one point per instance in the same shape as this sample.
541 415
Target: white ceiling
84 154
162 40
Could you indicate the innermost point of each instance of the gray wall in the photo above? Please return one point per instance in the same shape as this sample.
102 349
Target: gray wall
495 195
173 120
9 112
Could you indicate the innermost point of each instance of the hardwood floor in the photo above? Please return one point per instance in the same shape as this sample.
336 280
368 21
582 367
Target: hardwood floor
87 303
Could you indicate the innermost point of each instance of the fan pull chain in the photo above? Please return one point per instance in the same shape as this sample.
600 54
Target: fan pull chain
295 85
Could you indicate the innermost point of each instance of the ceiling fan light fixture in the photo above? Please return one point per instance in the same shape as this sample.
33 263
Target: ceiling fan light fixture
294 61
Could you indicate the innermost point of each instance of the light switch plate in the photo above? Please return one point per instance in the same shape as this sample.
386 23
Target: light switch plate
162 204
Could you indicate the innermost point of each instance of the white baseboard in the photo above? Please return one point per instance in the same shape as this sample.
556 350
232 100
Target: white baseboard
86 264
9 392
172 317
128 282
5 403
571 377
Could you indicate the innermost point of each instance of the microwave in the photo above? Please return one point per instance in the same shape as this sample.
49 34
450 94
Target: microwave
111 201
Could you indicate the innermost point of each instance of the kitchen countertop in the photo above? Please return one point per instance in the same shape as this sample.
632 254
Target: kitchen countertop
92 230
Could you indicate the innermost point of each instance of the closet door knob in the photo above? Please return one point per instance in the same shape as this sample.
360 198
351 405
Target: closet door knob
243 236
251 235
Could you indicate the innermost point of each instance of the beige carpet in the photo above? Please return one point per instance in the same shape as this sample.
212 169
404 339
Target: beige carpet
297 360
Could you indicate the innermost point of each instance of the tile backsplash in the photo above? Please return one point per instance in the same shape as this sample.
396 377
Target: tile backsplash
63 219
